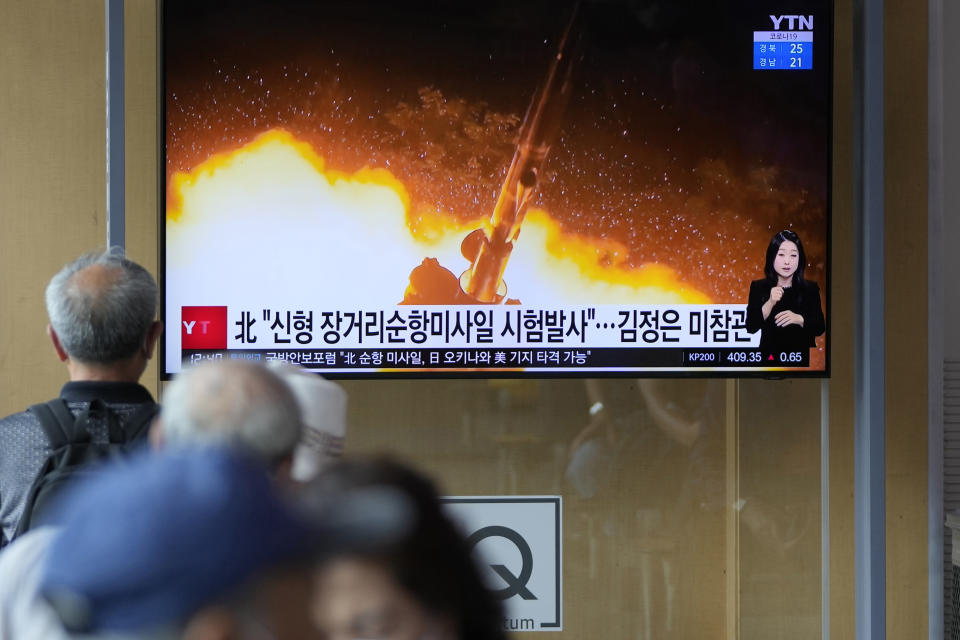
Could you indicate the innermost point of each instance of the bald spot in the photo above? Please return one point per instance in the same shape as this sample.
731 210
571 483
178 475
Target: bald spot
93 281
229 389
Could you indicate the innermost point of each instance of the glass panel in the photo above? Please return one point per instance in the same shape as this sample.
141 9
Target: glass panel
649 548
780 515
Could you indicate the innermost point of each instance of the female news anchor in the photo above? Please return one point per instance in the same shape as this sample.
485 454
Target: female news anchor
783 306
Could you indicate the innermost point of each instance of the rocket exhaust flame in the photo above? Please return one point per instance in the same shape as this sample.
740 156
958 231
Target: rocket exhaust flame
276 198
484 280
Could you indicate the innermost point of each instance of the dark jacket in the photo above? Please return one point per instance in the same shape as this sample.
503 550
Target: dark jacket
804 300
24 447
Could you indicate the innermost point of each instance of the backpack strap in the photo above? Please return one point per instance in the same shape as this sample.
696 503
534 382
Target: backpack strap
61 429
140 420
69 438
58 423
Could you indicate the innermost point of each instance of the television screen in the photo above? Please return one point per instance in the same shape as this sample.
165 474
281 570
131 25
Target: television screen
381 188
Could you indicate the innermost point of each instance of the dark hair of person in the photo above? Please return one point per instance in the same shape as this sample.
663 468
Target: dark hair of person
432 561
775 242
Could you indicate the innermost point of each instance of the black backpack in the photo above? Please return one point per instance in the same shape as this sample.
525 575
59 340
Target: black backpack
74 454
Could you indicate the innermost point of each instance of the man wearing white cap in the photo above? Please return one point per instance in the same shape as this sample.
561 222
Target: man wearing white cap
323 409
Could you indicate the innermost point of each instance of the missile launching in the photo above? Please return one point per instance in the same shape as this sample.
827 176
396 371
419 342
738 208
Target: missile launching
489 248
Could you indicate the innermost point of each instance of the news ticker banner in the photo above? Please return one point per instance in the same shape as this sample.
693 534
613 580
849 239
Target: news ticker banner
470 337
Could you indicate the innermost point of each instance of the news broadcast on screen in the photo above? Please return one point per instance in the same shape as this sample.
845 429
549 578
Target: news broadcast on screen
498 189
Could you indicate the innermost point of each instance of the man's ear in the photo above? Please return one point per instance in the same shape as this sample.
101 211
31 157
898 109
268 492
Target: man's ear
153 334
55 339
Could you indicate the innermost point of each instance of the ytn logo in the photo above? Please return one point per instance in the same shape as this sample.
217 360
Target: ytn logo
203 327
794 23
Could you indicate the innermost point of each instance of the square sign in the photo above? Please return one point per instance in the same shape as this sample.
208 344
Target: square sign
517 542
203 327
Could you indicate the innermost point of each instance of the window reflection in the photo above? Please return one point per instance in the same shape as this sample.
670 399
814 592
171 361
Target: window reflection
650 482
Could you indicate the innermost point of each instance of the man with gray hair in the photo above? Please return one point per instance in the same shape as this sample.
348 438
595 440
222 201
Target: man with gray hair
102 310
234 402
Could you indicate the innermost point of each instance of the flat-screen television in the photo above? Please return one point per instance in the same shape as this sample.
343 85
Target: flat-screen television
381 188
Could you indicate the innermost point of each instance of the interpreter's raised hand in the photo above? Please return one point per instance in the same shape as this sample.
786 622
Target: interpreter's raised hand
785 318
775 294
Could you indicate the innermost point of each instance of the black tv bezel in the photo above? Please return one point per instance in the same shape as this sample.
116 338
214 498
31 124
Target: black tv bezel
433 374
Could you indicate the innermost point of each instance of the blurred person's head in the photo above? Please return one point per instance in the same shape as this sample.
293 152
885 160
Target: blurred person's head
192 543
234 402
101 308
424 585
323 408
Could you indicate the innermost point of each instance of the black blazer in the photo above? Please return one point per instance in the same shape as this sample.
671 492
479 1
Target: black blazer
804 300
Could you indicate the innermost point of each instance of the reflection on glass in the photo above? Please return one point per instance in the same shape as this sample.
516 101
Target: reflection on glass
780 519
652 473
647 475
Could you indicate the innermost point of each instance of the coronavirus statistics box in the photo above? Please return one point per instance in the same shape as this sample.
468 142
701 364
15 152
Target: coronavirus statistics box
788 49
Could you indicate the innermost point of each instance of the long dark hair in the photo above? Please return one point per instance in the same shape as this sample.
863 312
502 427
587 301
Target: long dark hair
775 242
432 562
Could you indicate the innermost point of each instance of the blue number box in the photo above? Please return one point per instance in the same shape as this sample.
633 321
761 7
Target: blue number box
782 50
